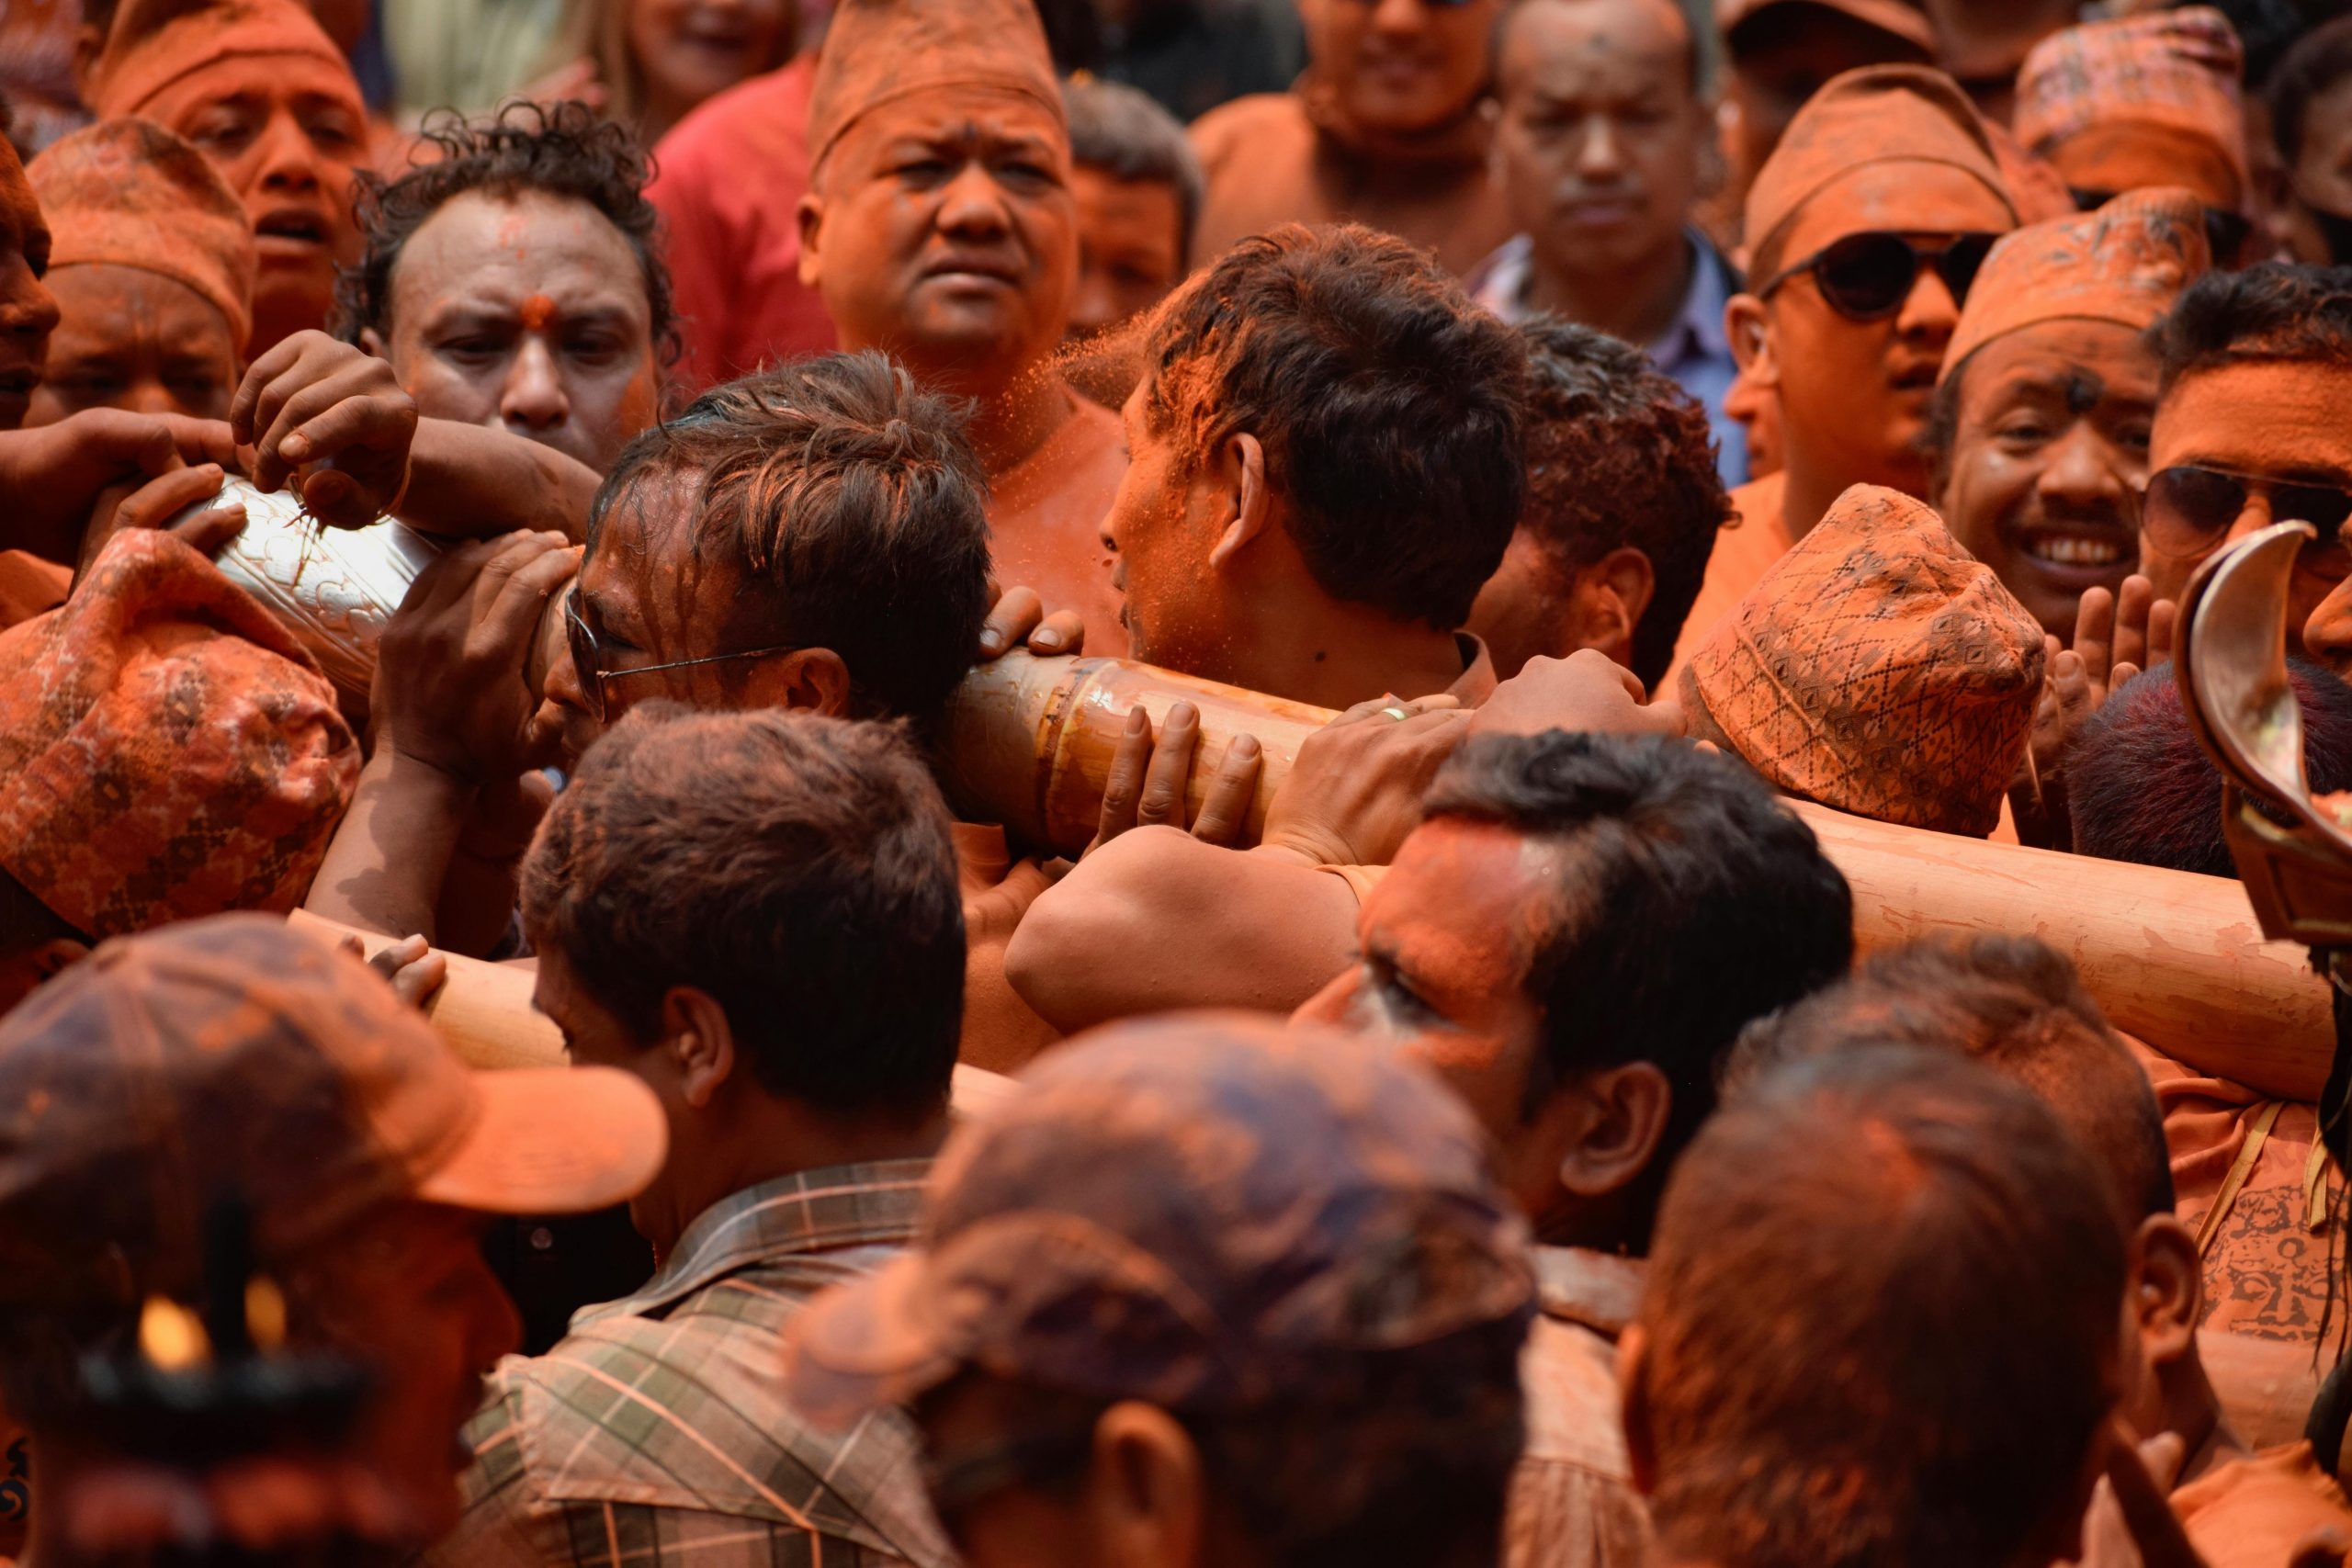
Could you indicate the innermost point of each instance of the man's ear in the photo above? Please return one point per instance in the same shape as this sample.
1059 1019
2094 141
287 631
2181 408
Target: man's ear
810 216
1748 323
1621 1117
1634 1408
1240 467
1607 601
813 679
2167 1287
1146 1494
700 1042
372 342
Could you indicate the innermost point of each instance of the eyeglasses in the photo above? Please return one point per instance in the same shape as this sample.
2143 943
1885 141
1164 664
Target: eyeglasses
589 653
2189 510
2225 232
1867 276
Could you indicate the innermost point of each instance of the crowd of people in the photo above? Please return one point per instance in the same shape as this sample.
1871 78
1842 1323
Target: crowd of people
1420 1079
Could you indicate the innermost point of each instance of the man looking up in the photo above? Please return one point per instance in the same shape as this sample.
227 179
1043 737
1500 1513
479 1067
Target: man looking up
2016 1006
1601 140
1384 130
262 91
1866 227
2249 431
1538 943
1201 1295
2039 434
515 281
755 914
939 227
1325 467
1934 1235
237 1058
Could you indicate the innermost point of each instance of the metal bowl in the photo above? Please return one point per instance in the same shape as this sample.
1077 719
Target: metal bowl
334 587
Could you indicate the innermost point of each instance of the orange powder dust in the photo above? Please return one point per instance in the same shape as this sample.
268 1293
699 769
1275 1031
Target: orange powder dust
538 311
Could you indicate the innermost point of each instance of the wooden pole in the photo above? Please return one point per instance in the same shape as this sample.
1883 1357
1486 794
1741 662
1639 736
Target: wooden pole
2173 958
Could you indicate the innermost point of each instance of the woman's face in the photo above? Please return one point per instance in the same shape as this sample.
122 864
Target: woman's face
692 48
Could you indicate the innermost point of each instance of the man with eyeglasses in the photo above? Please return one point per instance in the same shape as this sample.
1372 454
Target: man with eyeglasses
2251 429
1867 226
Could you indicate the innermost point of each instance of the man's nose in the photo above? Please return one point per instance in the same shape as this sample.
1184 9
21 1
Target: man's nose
533 398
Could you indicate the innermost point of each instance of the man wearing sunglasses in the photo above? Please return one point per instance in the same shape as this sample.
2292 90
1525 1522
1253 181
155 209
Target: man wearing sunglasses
1868 224
2124 103
2253 429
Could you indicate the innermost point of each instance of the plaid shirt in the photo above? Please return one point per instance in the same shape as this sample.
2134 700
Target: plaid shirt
657 1431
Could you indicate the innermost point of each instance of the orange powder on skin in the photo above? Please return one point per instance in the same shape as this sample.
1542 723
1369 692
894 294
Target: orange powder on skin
537 313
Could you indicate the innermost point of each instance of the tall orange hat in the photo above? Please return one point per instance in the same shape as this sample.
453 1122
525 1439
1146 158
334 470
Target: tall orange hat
1881 114
878 52
154 43
129 193
166 751
2127 264
2176 68
1879 669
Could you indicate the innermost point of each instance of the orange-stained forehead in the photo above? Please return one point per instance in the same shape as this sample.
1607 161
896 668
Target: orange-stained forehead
154 43
2175 68
881 51
1881 114
129 193
2126 263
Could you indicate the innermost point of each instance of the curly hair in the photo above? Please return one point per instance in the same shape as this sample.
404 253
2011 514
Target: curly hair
558 149
1617 453
2276 310
855 510
1389 406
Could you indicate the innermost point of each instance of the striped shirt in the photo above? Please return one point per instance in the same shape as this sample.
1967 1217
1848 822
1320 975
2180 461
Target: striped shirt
657 1431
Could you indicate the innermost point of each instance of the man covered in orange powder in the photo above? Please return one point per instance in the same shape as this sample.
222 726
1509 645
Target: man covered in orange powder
262 92
939 227
1867 226
2117 105
151 265
1386 128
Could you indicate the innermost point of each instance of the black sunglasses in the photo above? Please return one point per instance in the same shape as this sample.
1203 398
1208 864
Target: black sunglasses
1867 276
589 653
2225 232
2189 510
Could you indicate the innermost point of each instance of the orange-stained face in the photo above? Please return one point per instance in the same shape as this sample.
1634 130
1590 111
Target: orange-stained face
1854 395
131 339
1130 248
1446 940
689 49
1401 66
2276 420
27 311
941 231
2050 451
1598 141
405 1290
528 315
285 131
1159 530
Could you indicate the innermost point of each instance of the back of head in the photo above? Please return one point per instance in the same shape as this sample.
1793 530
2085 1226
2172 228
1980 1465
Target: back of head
1691 901
2011 1002
559 150
1388 404
1618 455
166 750
2276 310
1896 1350
853 508
1122 131
2140 788
797 868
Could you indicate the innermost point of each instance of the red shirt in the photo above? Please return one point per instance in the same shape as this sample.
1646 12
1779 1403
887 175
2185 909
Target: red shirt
728 183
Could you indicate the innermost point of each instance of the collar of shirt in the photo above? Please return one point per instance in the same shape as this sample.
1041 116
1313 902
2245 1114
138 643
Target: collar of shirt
873 1204
1500 283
